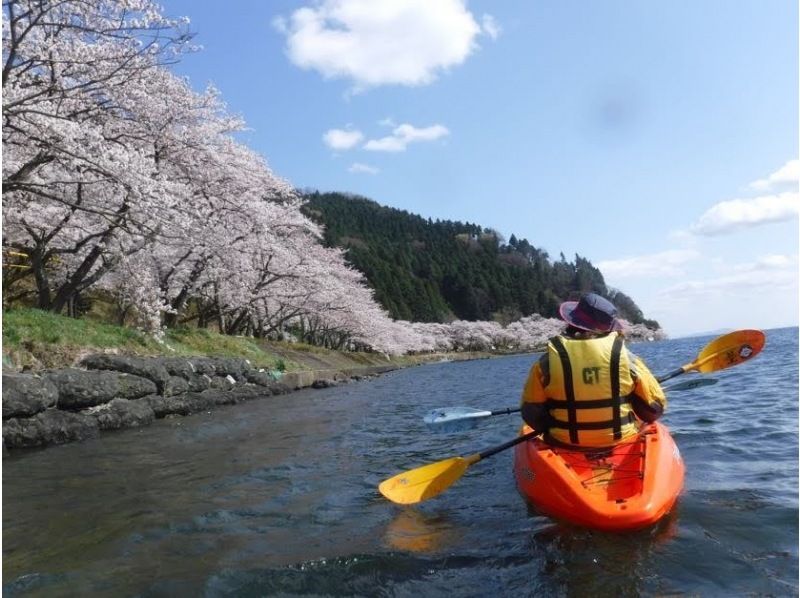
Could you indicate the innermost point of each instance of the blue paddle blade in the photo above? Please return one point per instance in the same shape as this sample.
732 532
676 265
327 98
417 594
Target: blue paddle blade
454 419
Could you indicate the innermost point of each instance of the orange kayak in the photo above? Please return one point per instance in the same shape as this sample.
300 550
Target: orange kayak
624 487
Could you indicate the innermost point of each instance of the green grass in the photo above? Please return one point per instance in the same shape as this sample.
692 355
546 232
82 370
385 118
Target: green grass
39 338
198 341
27 325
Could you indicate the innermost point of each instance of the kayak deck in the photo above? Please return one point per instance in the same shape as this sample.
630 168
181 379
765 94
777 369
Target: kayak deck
624 487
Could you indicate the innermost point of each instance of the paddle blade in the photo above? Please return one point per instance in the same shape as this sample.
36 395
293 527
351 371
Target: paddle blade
454 419
729 350
424 482
449 414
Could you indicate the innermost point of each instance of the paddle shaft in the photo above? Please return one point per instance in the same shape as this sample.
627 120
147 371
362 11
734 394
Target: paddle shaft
673 374
506 445
686 368
507 411
459 418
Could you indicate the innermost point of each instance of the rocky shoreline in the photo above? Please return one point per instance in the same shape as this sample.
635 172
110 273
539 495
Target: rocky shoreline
111 392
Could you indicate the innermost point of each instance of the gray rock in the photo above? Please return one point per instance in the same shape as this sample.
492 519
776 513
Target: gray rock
122 413
324 383
25 395
195 402
78 389
177 366
134 387
181 405
226 397
232 366
49 427
175 385
279 388
138 366
199 383
222 382
160 406
259 377
245 393
204 365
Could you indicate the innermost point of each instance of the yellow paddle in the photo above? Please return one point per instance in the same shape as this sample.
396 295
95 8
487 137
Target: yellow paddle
431 480
723 352
422 483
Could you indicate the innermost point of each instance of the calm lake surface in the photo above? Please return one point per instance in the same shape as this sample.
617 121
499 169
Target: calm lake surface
278 497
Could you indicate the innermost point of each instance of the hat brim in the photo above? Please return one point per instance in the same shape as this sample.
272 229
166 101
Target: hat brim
567 312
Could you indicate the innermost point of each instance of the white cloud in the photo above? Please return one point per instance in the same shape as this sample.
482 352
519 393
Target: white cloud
655 265
772 273
403 135
735 214
385 144
762 293
279 23
784 280
490 26
358 167
342 139
382 43
769 263
788 174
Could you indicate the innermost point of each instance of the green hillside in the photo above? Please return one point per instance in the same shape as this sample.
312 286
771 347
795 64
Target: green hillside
436 271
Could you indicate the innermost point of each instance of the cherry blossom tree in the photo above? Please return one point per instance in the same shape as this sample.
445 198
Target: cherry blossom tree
78 180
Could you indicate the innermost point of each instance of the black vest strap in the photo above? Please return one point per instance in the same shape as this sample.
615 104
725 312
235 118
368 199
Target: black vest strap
569 389
616 351
601 425
589 404
571 405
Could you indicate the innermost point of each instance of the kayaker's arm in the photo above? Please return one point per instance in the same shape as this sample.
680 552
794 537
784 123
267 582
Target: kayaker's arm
648 400
536 416
533 407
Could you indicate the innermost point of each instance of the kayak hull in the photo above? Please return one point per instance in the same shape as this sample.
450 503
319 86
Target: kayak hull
621 488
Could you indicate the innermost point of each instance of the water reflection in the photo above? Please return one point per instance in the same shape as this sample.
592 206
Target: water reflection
416 531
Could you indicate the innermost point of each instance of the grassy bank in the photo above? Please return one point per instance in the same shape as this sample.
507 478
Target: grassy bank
37 340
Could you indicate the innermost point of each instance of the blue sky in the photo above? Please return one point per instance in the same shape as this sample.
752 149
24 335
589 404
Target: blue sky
657 139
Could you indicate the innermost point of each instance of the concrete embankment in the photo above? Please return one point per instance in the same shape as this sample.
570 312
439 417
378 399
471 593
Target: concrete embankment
110 392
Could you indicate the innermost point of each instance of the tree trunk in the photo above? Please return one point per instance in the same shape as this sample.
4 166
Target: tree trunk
42 281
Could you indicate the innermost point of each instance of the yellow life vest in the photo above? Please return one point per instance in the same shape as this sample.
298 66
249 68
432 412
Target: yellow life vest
588 391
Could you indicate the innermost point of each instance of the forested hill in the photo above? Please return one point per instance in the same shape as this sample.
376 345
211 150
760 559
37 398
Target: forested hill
436 271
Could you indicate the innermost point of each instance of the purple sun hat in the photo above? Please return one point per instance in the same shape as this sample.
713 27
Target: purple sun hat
592 312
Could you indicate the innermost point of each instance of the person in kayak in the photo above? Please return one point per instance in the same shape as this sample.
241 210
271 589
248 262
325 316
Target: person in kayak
588 389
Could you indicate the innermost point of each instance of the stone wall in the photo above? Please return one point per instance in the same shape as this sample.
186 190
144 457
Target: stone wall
109 392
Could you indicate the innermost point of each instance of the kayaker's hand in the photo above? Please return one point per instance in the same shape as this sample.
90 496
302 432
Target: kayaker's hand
646 412
536 416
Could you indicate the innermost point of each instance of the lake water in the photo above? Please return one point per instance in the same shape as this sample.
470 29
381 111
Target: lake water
278 497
